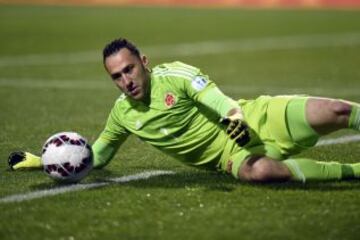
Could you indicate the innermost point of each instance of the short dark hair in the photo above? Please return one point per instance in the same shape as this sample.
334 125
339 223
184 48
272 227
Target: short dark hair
118 44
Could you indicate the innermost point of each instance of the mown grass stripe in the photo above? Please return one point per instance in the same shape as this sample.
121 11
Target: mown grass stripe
340 140
196 49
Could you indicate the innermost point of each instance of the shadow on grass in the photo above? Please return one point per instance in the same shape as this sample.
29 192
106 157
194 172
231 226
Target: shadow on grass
323 186
221 182
209 180
96 176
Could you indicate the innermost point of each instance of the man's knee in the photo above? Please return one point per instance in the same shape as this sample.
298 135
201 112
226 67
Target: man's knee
340 108
334 107
263 169
254 169
327 115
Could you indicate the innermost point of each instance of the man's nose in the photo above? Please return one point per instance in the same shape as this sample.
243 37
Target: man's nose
127 80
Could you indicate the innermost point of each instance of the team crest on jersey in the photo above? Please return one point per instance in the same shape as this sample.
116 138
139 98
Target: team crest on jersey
170 99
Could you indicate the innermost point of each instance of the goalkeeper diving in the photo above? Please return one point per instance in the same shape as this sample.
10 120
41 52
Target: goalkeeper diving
177 109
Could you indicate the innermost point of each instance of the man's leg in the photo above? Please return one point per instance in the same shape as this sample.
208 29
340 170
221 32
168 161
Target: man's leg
325 116
265 169
328 115
317 117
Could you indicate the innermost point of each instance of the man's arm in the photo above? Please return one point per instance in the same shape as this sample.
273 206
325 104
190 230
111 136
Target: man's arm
230 112
204 91
23 160
104 148
103 152
110 139
223 105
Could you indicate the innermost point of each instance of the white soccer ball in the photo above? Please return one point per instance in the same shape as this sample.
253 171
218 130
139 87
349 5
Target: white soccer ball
67 157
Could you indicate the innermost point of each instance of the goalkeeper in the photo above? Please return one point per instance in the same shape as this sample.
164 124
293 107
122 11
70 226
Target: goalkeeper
179 110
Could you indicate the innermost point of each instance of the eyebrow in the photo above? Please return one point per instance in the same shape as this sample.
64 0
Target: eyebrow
125 70
116 75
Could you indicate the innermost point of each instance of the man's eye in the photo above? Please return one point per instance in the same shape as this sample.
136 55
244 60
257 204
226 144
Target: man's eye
116 76
128 69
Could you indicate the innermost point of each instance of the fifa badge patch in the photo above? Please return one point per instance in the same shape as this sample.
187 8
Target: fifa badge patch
199 83
170 99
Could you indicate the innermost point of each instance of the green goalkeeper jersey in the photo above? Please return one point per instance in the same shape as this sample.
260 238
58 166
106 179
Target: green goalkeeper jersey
180 119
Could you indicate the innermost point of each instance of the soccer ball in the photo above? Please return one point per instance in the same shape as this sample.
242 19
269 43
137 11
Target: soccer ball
67 157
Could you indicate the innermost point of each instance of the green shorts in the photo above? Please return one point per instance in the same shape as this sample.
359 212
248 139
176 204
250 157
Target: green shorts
278 129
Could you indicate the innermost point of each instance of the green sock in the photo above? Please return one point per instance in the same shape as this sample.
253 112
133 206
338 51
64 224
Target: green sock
354 120
356 169
304 170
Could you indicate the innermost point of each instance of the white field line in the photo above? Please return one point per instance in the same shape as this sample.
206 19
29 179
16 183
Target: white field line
340 140
135 177
80 187
196 49
106 84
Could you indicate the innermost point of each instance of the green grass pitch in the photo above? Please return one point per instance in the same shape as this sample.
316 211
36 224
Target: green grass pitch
52 79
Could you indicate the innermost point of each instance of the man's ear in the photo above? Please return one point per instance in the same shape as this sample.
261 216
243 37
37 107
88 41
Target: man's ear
144 60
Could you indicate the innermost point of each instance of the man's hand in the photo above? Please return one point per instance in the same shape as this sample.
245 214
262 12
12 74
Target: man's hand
23 160
237 129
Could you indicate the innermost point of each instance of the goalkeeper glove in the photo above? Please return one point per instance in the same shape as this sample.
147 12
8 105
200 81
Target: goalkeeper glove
237 129
23 160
